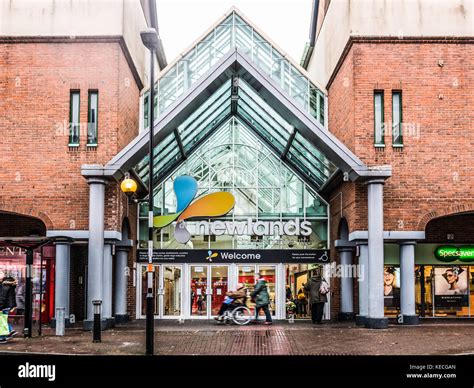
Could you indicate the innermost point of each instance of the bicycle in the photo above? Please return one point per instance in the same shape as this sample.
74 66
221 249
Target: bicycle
240 315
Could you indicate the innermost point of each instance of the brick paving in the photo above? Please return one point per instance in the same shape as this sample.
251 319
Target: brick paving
206 338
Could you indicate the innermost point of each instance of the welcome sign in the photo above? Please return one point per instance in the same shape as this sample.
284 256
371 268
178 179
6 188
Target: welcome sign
237 256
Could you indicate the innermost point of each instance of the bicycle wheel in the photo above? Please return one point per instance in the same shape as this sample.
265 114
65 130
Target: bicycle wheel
242 315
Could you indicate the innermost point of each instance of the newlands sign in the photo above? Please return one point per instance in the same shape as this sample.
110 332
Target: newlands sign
251 227
218 204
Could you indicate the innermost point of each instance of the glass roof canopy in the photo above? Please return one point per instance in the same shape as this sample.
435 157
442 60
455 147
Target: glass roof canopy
234 32
236 98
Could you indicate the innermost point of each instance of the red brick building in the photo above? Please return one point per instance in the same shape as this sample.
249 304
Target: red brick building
368 147
44 62
419 54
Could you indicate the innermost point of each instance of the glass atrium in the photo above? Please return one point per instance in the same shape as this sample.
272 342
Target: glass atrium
236 141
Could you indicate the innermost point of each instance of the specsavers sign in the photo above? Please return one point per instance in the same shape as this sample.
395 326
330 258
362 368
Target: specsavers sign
449 253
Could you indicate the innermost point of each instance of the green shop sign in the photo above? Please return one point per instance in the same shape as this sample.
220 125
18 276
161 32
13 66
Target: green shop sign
448 253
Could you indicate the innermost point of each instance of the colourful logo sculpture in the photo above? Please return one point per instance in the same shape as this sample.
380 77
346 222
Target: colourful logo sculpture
210 205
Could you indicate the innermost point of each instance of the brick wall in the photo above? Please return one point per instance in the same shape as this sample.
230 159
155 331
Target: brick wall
432 174
41 174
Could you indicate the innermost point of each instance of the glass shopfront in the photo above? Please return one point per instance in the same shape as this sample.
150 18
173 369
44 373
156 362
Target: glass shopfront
13 264
442 289
278 221
204 287
297 300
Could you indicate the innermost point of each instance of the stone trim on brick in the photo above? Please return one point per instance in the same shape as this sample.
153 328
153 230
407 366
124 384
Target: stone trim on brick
80 39
393 40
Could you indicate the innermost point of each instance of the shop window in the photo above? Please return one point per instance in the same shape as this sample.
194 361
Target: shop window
13 264
471 289
146 108
451 291
92 117
444 291
74 109
423 291
397 140
391 290
378 119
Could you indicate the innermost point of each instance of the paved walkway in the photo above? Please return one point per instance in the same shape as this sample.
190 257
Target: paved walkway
207 338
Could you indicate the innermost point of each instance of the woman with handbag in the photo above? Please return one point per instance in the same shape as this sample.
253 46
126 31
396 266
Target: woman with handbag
317 288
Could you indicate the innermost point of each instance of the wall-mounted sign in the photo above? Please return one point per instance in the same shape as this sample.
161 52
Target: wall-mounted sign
449 253
239 256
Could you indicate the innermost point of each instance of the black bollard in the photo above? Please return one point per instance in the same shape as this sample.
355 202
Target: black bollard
97 306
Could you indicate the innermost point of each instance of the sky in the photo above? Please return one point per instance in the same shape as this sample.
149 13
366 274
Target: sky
286 22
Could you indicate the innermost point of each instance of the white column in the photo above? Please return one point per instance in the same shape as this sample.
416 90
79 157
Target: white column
363 283
121 278
107 284
375 318
347 292
407 283
62 277
95 261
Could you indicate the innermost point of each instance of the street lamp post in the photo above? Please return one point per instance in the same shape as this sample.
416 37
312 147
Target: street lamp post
151 41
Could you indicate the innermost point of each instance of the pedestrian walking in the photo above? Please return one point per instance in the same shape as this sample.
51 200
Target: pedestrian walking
262 299
317 288
7 305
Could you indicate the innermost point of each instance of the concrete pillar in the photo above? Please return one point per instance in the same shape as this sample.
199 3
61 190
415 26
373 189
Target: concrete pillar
407 283
121 279
375 318
107 286
62 278
347 292
95 262
363 283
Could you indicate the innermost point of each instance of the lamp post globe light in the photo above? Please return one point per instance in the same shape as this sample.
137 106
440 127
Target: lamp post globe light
128 186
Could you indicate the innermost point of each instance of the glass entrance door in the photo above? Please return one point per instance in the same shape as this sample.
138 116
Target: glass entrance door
172 286
198 290
156 287
167 288
219 279
248 274
208 286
